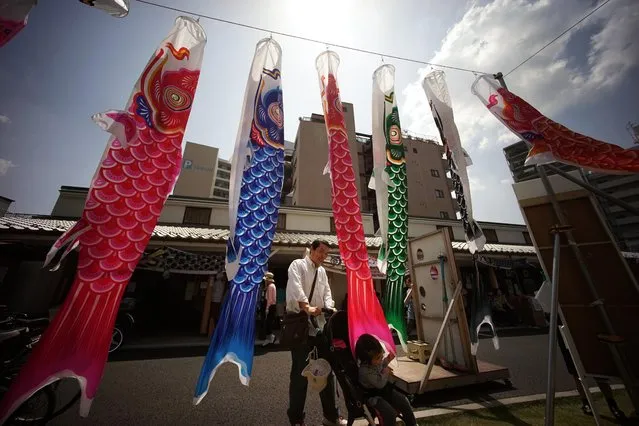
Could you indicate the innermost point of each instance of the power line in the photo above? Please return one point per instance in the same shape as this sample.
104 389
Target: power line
325 43
559 36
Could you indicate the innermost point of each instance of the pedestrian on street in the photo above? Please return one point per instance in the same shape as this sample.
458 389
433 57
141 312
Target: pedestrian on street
271 300
302 275
408 303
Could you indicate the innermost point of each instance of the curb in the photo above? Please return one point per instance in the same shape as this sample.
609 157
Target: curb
436 412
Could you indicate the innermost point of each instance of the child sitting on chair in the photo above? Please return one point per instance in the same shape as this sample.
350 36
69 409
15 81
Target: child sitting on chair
373 376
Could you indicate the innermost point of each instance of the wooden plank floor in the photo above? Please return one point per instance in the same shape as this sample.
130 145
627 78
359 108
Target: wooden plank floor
408 375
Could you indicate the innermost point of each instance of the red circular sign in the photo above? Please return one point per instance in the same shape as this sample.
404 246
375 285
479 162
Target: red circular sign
434 273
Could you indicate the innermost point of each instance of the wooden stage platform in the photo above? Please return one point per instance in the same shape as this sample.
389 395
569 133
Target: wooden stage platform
408 375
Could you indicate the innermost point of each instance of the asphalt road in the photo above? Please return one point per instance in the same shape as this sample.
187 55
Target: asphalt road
158 391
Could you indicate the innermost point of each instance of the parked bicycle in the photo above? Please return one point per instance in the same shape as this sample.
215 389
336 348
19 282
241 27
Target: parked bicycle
123 323
18 336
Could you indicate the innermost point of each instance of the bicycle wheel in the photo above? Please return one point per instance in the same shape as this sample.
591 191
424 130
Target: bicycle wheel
35 411
67 394
116 339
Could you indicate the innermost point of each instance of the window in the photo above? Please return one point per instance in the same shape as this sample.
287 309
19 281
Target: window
220 193
222 184
333 225
439 193
223 174
224 166
281 221
444 215
414 150
434 172
527 237
196 216
491 236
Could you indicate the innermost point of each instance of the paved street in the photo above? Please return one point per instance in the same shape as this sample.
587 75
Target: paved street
159 391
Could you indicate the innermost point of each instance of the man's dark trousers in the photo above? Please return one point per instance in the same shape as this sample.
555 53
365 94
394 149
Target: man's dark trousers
298 384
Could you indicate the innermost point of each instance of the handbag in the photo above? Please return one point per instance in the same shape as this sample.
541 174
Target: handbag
295 326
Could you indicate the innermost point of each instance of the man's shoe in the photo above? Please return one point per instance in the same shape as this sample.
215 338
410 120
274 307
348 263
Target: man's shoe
270 339
339 422
619 415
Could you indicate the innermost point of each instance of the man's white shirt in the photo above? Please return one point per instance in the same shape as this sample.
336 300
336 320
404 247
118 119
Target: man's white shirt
300 280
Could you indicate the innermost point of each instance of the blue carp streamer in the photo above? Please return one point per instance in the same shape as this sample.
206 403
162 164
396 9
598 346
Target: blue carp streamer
255 191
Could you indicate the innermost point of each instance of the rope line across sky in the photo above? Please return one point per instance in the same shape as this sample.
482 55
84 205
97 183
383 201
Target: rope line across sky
370 52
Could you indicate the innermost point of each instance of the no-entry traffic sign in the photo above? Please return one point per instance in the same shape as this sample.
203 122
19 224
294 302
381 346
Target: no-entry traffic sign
434 273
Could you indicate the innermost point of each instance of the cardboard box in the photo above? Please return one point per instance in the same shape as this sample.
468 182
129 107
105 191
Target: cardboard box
418 351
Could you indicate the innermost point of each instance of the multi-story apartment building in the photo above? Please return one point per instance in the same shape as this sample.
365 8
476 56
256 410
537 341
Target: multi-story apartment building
199 171
623 224
429 184
516 155
311 188
222 180
205 175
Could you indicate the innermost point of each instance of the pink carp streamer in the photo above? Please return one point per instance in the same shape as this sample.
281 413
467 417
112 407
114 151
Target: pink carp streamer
15 13
552 142
365 314
13 18
134 178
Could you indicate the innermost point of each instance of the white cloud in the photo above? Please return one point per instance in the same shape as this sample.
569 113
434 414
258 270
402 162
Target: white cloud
476 184
5 165
506 181
4 119
499 35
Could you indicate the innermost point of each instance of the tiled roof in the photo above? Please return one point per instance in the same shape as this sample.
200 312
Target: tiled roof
166 232
39 224
497 248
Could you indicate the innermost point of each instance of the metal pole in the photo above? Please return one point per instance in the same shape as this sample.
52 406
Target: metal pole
574 355
594 190
597 301
552 334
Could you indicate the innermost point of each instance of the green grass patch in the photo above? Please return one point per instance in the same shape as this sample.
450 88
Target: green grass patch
567 412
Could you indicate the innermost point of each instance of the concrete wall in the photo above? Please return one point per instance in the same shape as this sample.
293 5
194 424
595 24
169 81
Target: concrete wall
369 226
510 237
307 222
312 188
199 167
172 213
421 158
220 215
416 229
69 204
458 233
5 203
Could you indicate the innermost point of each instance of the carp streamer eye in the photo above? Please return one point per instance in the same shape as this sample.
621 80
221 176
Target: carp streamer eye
395 135
176 99
275 114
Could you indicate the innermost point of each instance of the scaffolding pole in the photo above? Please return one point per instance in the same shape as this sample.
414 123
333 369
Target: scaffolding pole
598 302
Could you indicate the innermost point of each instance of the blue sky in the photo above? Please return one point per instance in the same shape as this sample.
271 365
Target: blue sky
72 61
